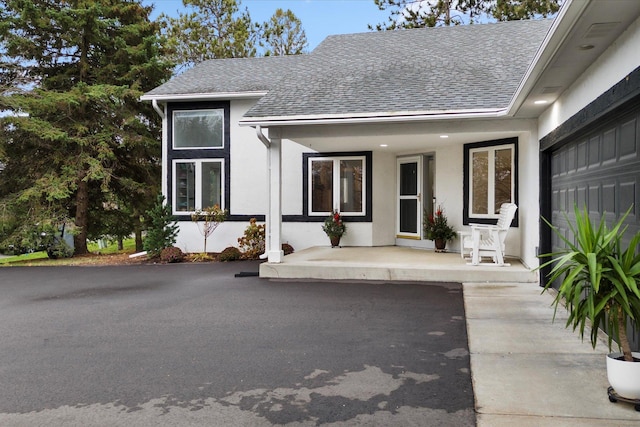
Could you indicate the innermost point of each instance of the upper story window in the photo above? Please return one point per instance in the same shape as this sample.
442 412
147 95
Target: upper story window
337 183
198 129
490 178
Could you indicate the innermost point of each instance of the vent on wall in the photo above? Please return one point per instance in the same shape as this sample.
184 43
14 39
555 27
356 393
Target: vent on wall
600 29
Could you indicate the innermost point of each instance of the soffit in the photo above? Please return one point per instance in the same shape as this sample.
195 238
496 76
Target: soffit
600 24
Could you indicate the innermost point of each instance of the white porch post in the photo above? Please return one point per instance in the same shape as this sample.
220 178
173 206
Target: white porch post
274 214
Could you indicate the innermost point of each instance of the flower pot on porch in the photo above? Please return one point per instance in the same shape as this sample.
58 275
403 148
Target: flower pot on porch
440 244
624 376
335 241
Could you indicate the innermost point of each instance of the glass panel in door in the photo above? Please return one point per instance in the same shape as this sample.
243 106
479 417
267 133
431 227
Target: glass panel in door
409 212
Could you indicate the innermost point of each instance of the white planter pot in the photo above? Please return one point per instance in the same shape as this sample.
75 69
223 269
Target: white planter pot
623 376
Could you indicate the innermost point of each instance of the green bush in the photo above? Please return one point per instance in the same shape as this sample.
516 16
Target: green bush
171 254
163 229
230 254
59 249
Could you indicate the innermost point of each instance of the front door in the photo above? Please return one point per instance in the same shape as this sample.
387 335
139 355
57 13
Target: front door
409 208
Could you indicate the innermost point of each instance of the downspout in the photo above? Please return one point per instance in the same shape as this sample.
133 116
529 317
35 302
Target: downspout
163 148
267 144
156 107
262 138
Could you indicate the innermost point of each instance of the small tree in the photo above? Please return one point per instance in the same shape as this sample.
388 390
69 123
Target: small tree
163 228
211 218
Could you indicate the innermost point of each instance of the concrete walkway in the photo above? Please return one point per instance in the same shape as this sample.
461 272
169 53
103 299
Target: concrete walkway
528 371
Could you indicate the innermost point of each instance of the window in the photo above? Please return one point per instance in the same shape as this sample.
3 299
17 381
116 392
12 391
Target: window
337 183
490 178
197 184
202 129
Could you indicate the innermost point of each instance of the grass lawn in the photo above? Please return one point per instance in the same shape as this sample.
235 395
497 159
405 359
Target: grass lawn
24 257
97 256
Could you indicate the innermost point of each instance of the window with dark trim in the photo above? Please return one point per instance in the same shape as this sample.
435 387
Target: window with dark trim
337 181
490 179
198 156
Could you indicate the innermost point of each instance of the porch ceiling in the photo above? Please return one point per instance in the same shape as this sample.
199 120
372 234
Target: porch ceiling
400 138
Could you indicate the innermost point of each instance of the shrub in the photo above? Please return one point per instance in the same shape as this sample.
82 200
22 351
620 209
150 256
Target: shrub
162 230
252 243
171 254
59 249
287 248
230 254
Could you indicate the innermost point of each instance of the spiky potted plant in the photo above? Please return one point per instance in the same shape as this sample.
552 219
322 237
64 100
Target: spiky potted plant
437 228
598 278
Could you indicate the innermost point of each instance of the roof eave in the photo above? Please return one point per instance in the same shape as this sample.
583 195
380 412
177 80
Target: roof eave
569 13
398 117
203 96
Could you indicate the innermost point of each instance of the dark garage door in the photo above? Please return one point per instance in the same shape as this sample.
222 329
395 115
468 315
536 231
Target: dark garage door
600 170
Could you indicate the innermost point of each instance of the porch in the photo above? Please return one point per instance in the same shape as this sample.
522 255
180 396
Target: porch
391 263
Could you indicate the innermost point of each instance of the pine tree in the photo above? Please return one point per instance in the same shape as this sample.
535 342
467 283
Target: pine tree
435 13
77 136
163 229
213 29
283 34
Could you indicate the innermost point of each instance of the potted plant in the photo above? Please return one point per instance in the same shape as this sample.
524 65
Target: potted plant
598 282
437 229
334 227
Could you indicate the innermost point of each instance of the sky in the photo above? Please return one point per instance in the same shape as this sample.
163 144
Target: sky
320 18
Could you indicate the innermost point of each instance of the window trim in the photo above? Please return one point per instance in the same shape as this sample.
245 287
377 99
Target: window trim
491 146
186 110
186 154
365 216
198 181
336 184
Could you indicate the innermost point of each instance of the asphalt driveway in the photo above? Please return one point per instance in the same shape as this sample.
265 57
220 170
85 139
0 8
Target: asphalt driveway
190 344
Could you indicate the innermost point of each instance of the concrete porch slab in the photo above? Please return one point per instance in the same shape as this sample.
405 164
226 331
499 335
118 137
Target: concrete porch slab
391 263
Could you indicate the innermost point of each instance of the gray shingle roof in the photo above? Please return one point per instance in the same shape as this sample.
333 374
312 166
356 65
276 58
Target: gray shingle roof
432 69
228 76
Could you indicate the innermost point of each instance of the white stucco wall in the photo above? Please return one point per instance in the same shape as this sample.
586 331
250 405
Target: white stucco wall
526 241
383 199
449 179
292 177
613 65
248 165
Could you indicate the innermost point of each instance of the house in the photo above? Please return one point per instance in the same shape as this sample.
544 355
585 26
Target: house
385 126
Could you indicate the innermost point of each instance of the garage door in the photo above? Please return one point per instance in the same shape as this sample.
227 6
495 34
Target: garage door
600 170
